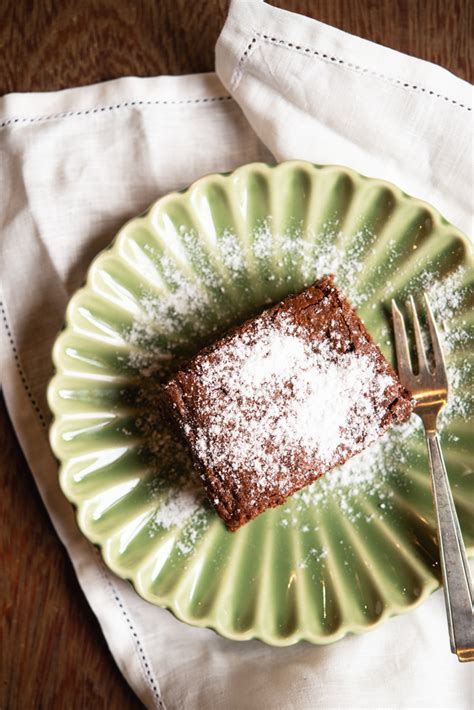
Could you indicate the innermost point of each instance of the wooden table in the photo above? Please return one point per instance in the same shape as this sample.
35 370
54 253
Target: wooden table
52 652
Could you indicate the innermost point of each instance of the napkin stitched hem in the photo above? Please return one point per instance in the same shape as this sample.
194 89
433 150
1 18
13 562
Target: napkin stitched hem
357 68
146 670
330 58
98 109
19 367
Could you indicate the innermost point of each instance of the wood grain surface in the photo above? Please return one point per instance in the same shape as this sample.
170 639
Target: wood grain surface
52 653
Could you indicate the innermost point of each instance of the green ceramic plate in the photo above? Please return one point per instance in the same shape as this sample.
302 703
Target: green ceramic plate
355 547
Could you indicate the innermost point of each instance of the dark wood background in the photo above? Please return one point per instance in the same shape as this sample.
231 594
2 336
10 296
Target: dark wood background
52 653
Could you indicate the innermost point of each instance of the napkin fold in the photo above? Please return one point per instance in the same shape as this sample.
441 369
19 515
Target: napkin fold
76 164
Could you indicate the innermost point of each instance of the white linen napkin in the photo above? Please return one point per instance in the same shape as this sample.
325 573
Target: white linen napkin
77 164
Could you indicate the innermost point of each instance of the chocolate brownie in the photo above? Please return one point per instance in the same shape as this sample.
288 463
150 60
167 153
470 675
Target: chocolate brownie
282 399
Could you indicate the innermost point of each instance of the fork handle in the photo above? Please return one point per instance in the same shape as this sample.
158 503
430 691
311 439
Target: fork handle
458 589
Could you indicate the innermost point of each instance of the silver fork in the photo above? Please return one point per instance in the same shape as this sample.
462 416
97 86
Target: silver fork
429 388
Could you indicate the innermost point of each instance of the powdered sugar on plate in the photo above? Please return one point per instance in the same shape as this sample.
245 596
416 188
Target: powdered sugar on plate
189 308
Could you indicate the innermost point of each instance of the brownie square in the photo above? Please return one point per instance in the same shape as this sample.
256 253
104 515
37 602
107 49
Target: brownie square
282 399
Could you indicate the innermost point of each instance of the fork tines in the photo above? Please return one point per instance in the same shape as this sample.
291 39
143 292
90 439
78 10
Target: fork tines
425 374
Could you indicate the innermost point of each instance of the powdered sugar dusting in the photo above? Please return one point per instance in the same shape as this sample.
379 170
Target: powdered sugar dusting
274 398
446 298
178 507
181 505
365 474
